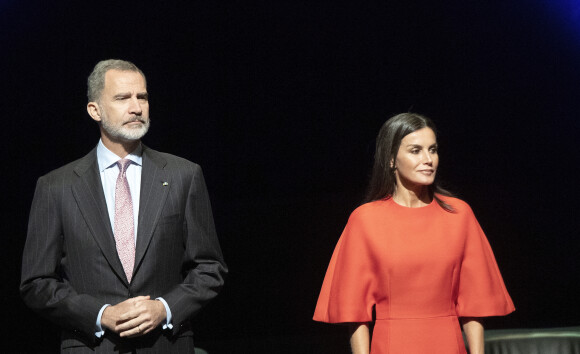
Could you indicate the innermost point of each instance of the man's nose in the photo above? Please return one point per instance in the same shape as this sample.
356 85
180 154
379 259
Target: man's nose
135 106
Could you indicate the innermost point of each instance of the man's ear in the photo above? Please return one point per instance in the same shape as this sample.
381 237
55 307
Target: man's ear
94 111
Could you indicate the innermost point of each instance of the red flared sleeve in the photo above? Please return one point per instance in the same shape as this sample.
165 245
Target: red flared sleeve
349 287
481 291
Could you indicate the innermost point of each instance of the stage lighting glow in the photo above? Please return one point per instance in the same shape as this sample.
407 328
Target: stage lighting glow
569 11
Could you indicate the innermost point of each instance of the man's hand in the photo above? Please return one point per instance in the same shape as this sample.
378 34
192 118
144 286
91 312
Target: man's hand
141 319
112 314
134 317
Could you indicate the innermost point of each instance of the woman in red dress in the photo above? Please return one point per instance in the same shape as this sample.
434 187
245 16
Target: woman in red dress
412 263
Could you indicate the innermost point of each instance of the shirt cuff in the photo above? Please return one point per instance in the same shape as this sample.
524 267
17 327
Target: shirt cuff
99 329
167 324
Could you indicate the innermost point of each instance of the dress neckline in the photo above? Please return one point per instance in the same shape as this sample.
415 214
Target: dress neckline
402 207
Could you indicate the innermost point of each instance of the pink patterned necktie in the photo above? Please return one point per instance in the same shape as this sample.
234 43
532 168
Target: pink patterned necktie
124 227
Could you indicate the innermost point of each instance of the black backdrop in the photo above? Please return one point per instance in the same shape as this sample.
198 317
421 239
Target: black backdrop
280 102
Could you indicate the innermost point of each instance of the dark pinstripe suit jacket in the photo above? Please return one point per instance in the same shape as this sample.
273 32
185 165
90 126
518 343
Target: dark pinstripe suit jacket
70 267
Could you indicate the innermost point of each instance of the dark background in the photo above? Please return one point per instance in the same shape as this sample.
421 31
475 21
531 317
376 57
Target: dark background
280 102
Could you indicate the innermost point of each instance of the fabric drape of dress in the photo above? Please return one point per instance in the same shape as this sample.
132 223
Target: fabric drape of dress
418 270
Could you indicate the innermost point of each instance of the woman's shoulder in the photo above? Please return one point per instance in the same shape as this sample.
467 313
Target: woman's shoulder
459 206
372 206
369 210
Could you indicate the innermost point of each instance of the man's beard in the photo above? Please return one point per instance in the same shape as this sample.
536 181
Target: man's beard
123 132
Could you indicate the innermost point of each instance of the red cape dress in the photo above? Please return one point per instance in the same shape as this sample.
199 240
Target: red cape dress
418 269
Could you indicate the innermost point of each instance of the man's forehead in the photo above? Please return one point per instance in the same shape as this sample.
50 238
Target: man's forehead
115 78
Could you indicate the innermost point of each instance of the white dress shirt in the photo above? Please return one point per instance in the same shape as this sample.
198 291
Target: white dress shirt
109 171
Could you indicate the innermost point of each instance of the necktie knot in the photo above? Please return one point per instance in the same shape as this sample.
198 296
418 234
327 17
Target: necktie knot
123 165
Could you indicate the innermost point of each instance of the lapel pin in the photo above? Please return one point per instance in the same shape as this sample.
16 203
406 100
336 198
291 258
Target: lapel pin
165 183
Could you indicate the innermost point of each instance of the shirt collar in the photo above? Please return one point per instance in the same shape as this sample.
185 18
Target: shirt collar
106 158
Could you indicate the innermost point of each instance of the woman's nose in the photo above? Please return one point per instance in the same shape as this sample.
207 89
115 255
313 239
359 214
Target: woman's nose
428 159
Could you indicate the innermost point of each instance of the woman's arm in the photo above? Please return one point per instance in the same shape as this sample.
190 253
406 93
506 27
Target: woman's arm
360 340
473 329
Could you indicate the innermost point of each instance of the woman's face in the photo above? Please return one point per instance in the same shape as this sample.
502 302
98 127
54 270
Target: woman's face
417 160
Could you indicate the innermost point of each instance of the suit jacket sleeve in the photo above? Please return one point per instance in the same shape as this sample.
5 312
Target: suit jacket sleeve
203 265
42 287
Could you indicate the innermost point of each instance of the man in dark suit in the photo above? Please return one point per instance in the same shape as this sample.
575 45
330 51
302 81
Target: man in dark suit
121 248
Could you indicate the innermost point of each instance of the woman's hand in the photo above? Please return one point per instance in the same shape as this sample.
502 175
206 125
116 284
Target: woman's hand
360 339
473 329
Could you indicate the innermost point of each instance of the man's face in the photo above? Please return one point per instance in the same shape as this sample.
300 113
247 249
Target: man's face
124 106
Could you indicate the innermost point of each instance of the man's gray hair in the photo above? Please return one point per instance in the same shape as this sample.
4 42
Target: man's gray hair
96 81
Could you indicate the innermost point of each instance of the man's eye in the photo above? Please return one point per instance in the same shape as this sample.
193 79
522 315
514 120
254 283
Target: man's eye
415 151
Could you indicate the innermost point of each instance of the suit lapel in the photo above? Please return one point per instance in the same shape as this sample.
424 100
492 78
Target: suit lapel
155 185
90 198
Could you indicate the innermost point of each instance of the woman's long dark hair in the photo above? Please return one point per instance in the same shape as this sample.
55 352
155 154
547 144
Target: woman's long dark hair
383 181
